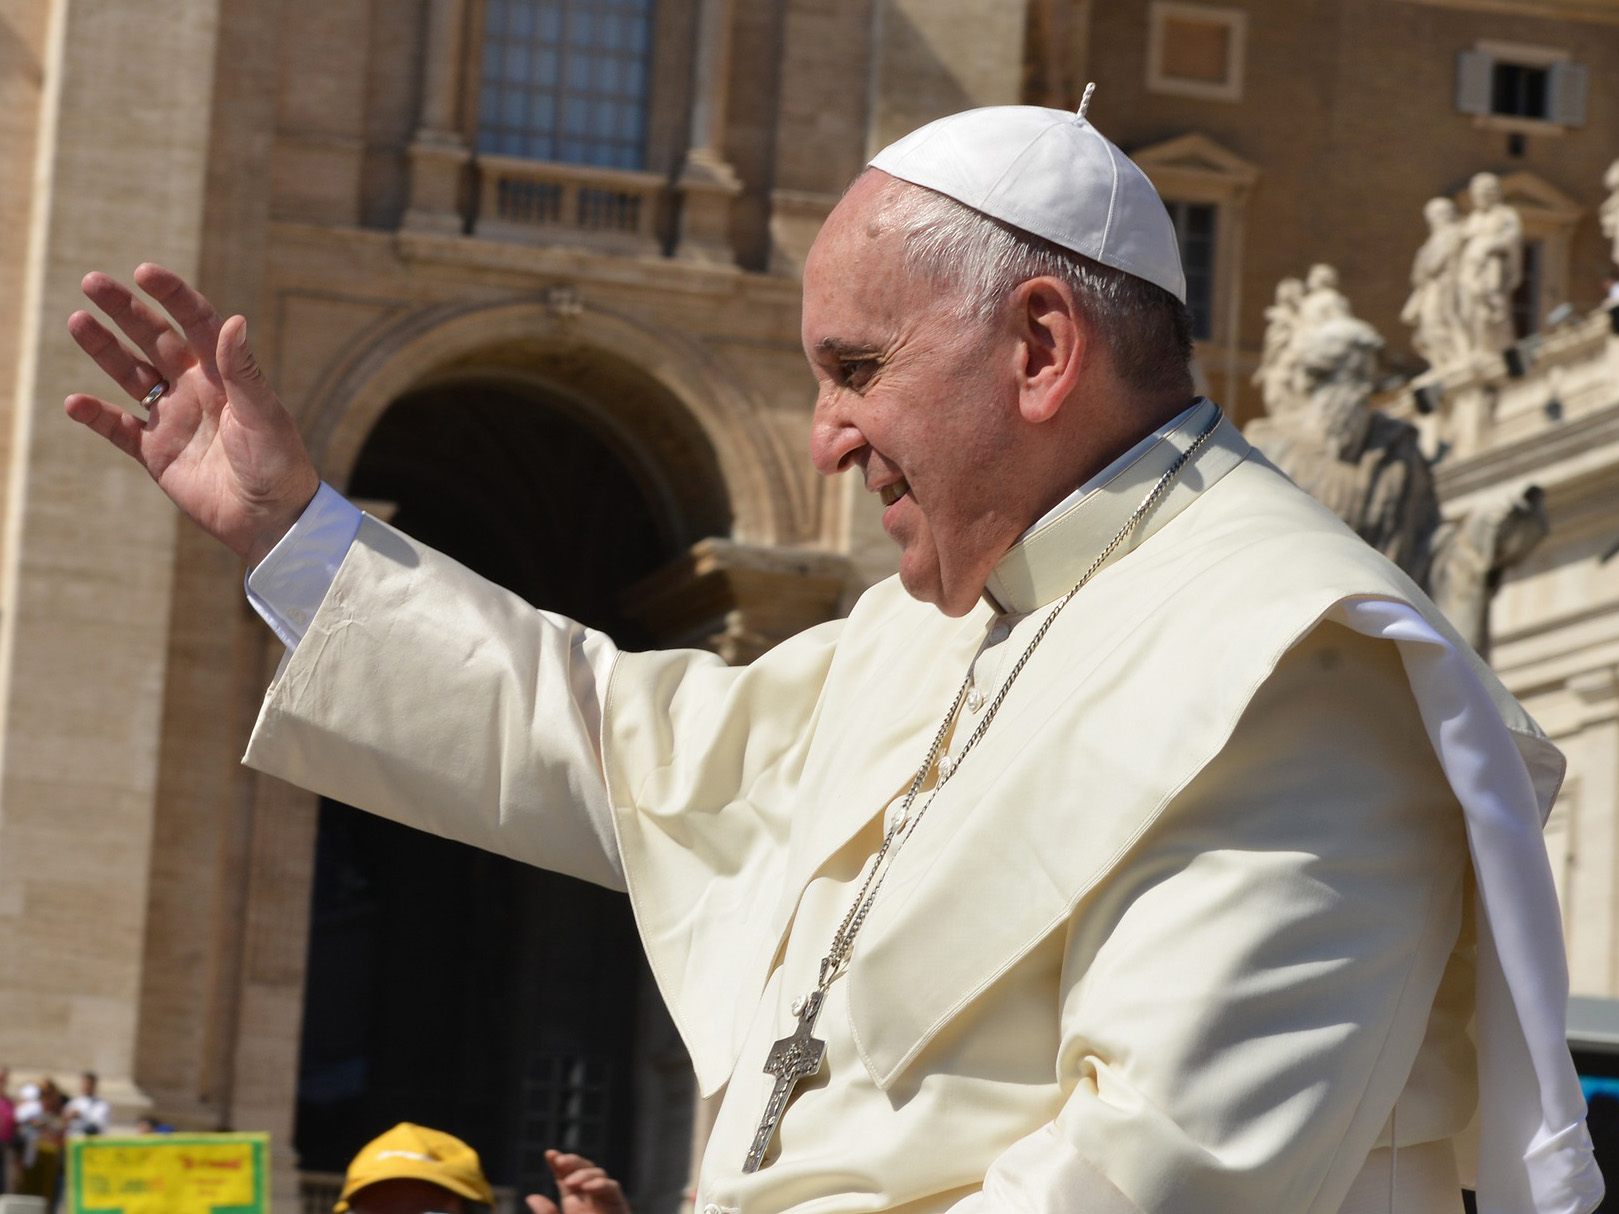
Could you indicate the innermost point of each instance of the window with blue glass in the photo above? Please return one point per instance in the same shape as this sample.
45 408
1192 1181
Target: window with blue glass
1195 231
566 80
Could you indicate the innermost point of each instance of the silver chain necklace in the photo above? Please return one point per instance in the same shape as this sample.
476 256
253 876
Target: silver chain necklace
799 1056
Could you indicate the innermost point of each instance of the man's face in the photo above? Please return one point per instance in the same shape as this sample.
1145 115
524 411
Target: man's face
924 404
405 1197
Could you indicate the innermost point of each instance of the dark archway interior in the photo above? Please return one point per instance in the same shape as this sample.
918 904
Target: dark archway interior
446 985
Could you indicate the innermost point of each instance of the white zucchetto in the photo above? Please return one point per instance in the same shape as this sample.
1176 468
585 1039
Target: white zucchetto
1050 173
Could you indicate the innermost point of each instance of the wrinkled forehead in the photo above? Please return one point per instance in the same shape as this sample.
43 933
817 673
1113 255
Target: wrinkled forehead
857 226
857 261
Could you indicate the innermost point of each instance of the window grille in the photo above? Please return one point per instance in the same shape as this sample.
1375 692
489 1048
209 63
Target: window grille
567 1104
529 201
1195 232
566 80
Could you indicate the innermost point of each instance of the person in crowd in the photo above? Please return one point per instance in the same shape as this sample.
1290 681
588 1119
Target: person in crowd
87 1112
8 1127
583 1188
412 1169
43 1134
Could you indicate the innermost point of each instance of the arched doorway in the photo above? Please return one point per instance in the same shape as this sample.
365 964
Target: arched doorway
448 986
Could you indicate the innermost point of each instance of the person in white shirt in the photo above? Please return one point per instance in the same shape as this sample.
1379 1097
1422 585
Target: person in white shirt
1147 845
87 1112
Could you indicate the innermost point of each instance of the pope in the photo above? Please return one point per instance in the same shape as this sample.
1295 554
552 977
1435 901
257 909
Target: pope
1148 844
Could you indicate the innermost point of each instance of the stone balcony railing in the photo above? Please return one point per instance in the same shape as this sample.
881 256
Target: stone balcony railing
615 211
610 210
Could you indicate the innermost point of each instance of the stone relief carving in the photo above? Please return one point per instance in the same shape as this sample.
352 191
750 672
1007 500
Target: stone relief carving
1434 306
1490 268
1369 469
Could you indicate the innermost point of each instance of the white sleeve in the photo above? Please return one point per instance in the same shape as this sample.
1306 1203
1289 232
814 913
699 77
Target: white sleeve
431 696
287 586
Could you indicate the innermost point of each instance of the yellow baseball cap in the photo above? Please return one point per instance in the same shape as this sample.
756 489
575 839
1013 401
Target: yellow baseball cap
413 1152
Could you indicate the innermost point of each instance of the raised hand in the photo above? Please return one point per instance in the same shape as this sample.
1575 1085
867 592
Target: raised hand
218 441
585 1188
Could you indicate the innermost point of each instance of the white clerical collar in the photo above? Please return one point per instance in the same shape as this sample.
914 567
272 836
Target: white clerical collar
1052 555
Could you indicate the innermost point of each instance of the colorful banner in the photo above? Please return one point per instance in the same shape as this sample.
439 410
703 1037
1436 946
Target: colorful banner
169 1174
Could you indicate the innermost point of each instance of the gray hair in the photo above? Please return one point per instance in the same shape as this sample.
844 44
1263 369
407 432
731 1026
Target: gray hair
1145 329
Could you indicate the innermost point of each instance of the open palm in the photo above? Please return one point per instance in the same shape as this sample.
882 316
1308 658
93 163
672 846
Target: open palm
218 441
583 1187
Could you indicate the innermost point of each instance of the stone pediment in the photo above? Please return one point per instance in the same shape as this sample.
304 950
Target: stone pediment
1196 155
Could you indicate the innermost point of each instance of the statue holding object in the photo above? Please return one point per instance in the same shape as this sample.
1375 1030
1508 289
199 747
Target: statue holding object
1434 306
1490 268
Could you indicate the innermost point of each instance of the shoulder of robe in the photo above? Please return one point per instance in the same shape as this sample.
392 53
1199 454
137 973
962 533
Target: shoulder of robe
1299 547
1139 684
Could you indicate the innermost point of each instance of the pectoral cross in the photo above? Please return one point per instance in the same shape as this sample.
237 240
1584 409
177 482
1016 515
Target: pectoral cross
791 1059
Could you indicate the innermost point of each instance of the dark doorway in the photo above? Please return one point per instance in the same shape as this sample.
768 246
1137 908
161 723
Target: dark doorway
446 985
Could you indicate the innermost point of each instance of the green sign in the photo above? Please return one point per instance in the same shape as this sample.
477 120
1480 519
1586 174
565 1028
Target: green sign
169 1174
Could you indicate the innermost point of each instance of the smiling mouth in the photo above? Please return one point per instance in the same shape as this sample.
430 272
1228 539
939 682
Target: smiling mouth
892 493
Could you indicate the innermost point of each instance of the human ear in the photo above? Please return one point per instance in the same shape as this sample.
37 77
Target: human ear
1052 341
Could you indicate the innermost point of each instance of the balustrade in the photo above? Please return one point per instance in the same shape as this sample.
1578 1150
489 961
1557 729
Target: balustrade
613 210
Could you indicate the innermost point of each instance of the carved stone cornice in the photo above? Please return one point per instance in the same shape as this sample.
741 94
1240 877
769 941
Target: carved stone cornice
1569 441
1594 687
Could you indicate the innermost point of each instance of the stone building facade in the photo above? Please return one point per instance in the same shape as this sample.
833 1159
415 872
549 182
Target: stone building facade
526 271
1284 134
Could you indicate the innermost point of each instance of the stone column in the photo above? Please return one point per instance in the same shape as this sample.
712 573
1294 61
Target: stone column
318 170
86 568
1592 897
820 120
934 57
707 184
438 153
269 1023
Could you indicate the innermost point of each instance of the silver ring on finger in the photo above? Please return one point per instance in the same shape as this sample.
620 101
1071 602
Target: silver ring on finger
156 393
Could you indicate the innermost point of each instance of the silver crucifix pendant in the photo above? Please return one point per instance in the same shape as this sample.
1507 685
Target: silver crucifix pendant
791 1059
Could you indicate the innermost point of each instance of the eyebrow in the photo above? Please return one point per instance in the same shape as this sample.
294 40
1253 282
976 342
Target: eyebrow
842 347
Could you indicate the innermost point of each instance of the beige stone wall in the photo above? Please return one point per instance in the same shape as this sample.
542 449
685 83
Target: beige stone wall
934 57
84 616
22 78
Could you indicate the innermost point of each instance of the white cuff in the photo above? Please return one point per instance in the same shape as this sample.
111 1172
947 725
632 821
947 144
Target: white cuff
286 588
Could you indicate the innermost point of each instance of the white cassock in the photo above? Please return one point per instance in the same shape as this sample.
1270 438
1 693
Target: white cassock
1193 928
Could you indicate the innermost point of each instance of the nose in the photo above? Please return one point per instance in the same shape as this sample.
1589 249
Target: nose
835 440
